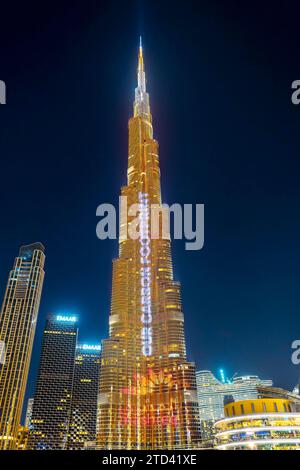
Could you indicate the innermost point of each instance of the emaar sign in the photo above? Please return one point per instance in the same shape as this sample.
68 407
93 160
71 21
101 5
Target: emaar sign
2 92
65 318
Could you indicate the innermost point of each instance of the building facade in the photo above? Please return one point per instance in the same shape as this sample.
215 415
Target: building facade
148 396
85 391
17 329
259 424
52 400
213 394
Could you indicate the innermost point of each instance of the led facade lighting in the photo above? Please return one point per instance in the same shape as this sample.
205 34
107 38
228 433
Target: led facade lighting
148 397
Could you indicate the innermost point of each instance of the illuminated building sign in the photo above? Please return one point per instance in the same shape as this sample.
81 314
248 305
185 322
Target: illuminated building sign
66 318
145 272
89 347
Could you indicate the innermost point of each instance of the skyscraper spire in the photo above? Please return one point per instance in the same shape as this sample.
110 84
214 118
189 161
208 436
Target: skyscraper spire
141 59
141 103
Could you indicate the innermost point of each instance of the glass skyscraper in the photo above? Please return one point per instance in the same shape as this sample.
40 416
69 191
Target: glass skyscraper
148 396
52 400
85 391
17 328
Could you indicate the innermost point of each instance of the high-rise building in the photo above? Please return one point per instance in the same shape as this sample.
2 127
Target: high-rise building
148 396
213 394
260 424
85 391
17 328
52 400
28 415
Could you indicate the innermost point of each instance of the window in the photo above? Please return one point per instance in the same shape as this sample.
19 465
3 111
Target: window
242 409
252 407
275 407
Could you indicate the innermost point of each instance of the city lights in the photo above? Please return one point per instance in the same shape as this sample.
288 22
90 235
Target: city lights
64 318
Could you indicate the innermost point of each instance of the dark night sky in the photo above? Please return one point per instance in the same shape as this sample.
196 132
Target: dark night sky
219 76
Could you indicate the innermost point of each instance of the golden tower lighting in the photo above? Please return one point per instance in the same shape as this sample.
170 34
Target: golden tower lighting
17 328
148 397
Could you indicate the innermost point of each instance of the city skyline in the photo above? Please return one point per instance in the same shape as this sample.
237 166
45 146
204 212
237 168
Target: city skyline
247 289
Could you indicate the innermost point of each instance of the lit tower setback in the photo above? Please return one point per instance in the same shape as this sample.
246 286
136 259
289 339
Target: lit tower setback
148 397
17 328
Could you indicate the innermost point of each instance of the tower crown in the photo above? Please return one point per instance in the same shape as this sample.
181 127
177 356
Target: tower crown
141 102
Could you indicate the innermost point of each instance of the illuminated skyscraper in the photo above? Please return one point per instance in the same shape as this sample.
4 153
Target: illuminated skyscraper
52 400
148 397
84 396
17 328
